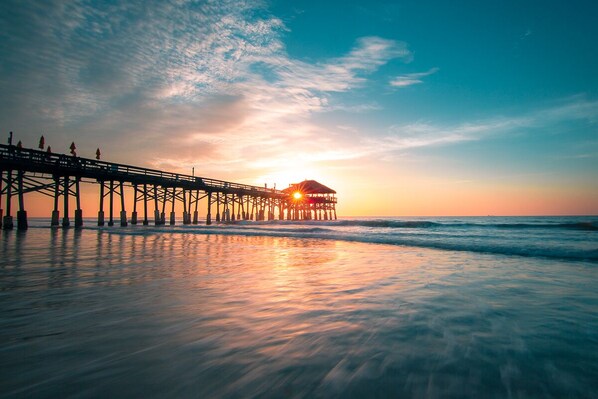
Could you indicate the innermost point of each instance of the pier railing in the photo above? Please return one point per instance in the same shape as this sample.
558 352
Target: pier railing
32 160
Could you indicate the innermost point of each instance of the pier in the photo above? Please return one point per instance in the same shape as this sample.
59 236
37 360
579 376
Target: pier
154 193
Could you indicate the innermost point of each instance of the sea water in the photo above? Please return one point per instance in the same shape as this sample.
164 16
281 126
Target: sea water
388 307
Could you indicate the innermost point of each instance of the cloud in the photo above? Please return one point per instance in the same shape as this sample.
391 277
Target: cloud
411 78
357 108
421 134
175 84
172 82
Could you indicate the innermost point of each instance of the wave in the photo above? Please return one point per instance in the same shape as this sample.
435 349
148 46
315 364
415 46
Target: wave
506 236
589 226
489 246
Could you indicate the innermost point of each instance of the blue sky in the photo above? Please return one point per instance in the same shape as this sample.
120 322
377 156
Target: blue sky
405 107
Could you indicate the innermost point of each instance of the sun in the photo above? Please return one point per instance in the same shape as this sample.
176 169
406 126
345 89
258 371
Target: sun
297 195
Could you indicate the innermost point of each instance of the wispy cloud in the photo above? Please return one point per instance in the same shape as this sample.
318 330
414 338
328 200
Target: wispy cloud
422 134
411 78
400 140
180 83
208 81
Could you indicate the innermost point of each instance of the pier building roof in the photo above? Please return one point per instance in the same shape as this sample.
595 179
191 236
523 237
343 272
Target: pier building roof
308 187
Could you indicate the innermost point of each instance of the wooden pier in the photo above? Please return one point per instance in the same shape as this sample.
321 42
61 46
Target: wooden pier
155 192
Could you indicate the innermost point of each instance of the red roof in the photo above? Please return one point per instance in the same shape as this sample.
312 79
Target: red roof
309 187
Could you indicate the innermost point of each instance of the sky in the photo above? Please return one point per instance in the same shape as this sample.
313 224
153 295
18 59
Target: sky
403 107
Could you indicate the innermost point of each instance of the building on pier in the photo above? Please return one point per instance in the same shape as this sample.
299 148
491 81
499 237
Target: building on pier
311 200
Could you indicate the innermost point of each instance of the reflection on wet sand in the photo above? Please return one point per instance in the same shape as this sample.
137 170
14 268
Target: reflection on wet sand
127 314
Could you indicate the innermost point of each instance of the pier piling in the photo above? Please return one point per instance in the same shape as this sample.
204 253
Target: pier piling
101 211
65 220
156 211
172 215
209 214
134 214
21 213
145 220
7 223
123 212
111 204
1 210
78 211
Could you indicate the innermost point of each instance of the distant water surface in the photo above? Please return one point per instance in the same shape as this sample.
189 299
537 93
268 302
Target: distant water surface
443 307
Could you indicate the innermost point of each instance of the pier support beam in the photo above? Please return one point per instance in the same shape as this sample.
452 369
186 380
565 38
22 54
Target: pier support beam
21 213
145 221
101 211
227 211
196 213
1 210
209 214
22 220
134 214
186 216
65 220
7 223
163 214
233 216
78 211
172 215
123 212
217 207
156 211
241 208
111 204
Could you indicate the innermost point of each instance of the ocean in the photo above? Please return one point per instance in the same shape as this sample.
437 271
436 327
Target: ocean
494 307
